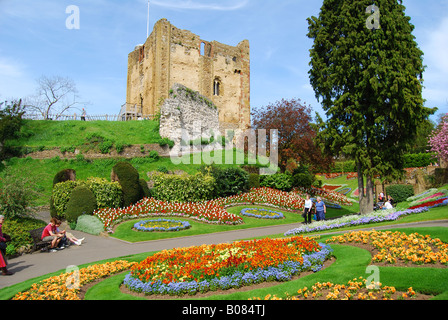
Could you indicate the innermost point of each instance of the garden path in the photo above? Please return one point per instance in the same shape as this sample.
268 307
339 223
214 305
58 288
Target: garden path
97 248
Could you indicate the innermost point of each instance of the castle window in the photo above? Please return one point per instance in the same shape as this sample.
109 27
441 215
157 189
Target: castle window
141 54
206 49
216 87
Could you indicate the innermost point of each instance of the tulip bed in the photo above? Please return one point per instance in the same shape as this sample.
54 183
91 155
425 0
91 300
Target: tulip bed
206 268
212 211
262 213
64 286
394 247
161 225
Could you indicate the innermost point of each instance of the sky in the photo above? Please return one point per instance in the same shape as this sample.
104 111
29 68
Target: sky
35 41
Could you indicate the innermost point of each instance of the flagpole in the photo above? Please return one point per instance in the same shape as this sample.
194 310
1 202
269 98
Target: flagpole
147 24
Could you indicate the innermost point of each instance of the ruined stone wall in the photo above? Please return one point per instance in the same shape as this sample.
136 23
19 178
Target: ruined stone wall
187 115
171 55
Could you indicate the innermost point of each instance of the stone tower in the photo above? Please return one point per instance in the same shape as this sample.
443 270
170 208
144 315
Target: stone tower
217 71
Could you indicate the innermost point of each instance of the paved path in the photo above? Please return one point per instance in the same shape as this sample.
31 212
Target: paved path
97 248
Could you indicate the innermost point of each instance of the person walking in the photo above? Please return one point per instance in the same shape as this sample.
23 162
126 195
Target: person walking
3 239
321 209
307 210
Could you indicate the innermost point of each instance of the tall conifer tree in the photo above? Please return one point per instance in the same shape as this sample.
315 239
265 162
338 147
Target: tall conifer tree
367 70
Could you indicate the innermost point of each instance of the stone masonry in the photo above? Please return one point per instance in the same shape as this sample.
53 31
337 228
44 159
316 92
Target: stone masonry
219 72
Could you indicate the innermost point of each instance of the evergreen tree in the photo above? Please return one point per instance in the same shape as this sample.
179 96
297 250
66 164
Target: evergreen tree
367 70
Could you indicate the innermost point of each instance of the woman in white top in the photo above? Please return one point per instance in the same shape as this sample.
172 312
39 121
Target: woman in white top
307 211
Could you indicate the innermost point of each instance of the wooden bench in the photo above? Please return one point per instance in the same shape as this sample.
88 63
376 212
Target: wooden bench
36 235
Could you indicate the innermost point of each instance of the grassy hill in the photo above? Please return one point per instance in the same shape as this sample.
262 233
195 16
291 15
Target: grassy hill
45 134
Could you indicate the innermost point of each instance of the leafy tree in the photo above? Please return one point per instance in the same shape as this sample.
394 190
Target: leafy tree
293 121
439 139
366 69
10 123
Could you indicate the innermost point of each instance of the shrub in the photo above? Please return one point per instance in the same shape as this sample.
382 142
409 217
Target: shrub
145 189
183 188
18 230
166 141
280 181
18 193
302 180
64 175
82 202
107 194
254 180
229 181
400 192
89 224
128 178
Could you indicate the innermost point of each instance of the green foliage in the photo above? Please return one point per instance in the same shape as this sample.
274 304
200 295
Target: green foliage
18 230
369 85
18 193
183 188
64 175
280 181
415 160
107 194
128 177
400 192
229 180
82 202
10 123
145 189
302 180
89 224
166 141
254 180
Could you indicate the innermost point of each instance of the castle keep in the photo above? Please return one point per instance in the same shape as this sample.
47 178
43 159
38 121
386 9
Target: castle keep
217 71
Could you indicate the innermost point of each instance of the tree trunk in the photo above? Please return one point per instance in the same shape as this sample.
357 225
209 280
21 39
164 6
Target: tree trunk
365 202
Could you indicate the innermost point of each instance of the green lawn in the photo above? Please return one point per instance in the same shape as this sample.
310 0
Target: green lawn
44 133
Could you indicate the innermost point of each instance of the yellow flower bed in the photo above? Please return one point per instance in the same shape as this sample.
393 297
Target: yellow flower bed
356 289
397 246
67 285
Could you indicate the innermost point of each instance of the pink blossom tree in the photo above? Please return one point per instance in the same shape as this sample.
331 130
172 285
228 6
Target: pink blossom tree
439 139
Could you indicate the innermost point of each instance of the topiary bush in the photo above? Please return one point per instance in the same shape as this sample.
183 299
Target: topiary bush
64 175
107 194
128 177
145 189
400 192
82 202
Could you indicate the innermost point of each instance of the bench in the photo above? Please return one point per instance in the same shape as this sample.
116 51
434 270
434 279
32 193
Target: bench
36 235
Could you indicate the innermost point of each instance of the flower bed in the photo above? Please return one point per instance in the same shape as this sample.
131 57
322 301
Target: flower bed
432 204
211 267
356 289
161 225
62 287
354 220
393 247
262 213
212 211
331 196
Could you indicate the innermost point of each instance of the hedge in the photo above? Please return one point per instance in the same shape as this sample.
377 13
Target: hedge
82 202
400 192
183 188
108 194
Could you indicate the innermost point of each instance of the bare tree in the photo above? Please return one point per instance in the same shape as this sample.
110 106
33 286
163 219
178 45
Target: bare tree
54 96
